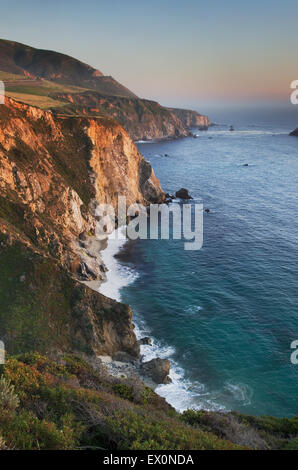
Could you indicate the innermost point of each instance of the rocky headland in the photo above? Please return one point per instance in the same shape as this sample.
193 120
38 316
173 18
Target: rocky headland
69 87
191 119
294 132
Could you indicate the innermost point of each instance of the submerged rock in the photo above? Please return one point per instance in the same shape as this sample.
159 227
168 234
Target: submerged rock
157 369
146 340
183 194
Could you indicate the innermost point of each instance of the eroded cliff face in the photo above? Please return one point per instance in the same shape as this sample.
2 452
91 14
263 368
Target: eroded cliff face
191 118
125 173
53 174
143 119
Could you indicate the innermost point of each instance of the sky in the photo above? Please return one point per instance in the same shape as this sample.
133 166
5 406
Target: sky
186 52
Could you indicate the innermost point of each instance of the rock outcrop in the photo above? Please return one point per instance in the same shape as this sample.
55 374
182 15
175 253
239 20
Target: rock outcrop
294 132
143 119
157 369
191 118
54 173
183 194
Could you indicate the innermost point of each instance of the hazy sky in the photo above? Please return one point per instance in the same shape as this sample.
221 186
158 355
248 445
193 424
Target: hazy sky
177 52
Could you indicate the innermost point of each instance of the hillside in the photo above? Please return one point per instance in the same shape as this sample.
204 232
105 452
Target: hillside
143 119
32 63
57 82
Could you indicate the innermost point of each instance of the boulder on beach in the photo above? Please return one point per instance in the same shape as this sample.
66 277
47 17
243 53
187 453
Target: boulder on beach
122 356
183 194
157 369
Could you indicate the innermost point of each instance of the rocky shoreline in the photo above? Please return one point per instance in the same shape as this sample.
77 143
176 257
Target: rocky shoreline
122 364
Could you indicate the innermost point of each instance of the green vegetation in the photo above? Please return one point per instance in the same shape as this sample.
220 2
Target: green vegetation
257 432
20 59
34 293
66 404
40 93
41 306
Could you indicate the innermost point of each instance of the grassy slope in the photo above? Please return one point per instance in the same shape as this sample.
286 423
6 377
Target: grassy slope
17 58
43 309
43 102
34 92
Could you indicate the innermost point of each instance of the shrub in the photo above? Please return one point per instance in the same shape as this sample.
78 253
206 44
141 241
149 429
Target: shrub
138 431
9 400
25 431
125 391
2 443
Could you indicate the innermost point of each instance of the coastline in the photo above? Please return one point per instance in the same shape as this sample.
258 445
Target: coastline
179 393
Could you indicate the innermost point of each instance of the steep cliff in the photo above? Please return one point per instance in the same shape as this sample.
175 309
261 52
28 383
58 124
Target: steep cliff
62 83
143 119
55 171
191 118
53 174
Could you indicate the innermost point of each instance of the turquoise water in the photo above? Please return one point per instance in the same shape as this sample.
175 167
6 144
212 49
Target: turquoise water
227 314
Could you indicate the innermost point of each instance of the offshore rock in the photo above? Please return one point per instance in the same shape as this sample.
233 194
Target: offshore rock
294 132
183 194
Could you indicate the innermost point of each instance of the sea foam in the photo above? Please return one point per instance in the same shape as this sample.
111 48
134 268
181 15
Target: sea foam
181 393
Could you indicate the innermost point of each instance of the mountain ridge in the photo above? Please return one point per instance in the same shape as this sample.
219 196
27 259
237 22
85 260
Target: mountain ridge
46 64
68 86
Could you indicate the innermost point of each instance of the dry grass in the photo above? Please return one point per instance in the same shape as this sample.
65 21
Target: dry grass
43 102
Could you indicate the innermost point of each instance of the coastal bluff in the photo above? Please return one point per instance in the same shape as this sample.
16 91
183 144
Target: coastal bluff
53 173
68 87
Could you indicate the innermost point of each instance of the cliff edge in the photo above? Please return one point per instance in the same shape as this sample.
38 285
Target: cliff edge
53 174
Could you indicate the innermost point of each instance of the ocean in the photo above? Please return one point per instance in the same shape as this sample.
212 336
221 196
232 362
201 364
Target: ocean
225 315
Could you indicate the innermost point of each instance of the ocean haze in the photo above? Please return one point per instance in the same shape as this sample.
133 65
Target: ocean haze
170 50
